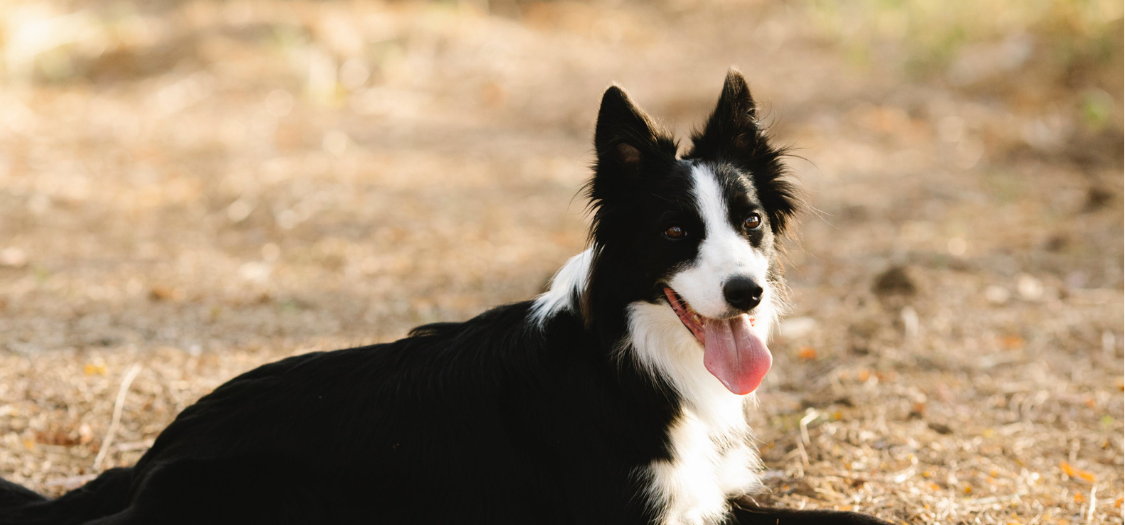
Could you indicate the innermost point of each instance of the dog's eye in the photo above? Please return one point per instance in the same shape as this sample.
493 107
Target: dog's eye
753 222
675 232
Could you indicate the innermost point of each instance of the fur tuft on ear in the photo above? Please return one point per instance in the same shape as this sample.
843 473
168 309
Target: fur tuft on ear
734 134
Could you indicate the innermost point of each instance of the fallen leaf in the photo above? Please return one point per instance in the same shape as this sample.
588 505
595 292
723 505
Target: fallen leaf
940 428
56 438
161 293
807 353
1084 475
918 409
94 369
1012 342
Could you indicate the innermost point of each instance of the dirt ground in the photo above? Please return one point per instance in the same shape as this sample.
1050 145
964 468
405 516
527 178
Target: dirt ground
191 189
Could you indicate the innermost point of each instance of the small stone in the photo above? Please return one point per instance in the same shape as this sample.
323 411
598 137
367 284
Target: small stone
161 293
796 327
239 210
255 272
894 281
997 294
1029 287
910 322
941 428
13 257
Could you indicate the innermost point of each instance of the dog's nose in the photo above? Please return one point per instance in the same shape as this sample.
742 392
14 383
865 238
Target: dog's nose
742 293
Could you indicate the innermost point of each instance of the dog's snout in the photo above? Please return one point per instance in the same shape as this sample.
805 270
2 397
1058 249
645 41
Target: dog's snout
742 293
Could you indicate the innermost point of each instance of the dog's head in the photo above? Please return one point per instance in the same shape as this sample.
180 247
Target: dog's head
687 247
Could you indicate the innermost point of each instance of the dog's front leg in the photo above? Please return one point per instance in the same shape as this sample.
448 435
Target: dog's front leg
746 512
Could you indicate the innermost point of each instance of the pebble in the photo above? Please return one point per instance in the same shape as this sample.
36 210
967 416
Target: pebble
796 327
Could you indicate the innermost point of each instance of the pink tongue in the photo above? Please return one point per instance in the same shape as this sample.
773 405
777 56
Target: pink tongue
734 354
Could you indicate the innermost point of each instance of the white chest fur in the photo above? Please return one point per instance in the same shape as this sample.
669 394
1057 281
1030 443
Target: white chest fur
711 455
708 466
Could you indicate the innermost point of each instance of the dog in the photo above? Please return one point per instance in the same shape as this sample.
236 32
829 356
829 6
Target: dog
616 397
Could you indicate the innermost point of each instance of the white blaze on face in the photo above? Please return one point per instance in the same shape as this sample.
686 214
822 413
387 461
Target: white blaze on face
724 253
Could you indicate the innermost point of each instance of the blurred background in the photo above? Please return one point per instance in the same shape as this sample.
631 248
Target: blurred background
199 187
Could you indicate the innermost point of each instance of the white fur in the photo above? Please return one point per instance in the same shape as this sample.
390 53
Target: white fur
706 470
568 282
724 253
663 346
711 455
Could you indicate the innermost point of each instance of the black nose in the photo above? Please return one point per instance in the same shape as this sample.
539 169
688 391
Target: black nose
742 293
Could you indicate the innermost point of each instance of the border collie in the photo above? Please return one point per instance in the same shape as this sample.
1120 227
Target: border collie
616 397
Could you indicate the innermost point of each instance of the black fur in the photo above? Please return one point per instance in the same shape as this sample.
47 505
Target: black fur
493 420
734 134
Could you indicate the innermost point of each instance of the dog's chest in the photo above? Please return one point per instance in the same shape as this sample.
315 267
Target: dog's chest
708 466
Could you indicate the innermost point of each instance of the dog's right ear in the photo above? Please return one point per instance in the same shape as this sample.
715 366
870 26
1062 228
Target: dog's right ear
628 142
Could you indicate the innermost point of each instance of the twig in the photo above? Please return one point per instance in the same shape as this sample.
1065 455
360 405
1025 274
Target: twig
1090 509
991 500
801 450
904 475
813 414
117 407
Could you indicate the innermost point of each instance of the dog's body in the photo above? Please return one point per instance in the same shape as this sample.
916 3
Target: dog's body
616 397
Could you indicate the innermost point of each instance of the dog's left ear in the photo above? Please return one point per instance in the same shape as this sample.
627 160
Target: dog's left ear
733 126
734 134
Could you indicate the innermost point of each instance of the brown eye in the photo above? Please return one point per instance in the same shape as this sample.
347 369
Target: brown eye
753 221
675 232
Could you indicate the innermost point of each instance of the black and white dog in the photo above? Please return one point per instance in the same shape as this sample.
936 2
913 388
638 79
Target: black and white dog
617 397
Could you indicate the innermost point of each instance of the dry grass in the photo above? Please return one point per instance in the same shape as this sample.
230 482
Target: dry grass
202 187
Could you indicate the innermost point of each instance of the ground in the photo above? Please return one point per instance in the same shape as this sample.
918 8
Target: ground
188 190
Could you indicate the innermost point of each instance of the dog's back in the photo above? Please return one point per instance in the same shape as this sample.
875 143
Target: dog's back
493 420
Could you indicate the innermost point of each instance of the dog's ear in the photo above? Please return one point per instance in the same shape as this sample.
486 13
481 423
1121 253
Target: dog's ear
733 126
629 143
733 133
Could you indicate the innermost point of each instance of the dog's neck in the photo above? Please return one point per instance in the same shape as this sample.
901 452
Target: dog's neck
662 347
710 457
652 337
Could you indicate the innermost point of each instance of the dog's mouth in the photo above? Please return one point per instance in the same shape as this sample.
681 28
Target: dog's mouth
691 319
732 352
